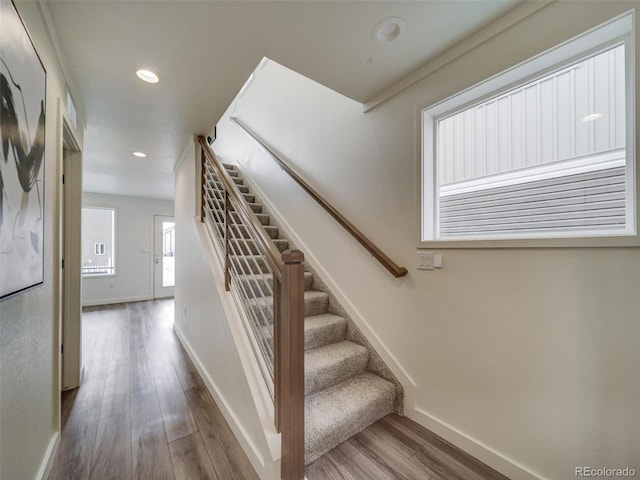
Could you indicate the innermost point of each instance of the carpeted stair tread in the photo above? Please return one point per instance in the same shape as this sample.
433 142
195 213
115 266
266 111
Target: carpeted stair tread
323 329
264 218
272 230
241 188
281 244
249 247
337 413
330 364
315 302
256 207
261 283
242 232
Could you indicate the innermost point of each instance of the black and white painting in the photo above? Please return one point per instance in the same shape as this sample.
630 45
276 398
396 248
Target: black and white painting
22 128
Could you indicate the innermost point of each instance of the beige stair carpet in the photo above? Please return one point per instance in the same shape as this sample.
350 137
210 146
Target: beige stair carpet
344 386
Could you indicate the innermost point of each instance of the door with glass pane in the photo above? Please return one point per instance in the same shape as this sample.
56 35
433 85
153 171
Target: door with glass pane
164 240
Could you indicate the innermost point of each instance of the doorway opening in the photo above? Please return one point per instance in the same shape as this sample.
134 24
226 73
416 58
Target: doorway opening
70 283
164 241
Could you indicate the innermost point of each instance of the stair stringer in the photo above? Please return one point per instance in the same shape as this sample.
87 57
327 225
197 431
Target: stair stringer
382 361
266 464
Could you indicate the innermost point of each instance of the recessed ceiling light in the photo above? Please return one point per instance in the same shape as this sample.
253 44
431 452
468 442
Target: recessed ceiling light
147 76
591 117
389 30
139 154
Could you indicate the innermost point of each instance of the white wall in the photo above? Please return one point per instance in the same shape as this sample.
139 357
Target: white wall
526 358
133 279
213 335
29 378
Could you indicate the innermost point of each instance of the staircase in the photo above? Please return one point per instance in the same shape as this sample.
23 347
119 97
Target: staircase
347 386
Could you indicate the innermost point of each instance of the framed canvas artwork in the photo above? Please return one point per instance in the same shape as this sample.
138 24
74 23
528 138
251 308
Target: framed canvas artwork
22 129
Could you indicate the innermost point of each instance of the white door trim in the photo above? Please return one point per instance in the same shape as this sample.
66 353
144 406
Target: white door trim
69 248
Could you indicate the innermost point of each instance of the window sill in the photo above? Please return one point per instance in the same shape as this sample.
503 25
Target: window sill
628 241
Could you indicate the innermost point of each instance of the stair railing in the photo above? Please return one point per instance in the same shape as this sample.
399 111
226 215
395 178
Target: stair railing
372 248
268 287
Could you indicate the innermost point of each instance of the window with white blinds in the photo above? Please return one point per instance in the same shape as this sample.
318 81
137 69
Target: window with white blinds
551 157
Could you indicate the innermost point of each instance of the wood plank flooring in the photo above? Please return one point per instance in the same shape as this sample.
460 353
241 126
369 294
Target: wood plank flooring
396 448
142 411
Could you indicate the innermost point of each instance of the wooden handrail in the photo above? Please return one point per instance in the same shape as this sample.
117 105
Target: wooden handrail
288 316
373 249
247 215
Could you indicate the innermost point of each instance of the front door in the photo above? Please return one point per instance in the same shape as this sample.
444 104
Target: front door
164 240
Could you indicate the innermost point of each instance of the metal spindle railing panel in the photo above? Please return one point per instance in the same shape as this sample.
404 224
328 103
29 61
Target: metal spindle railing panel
268 288
250 277
213 205
251 280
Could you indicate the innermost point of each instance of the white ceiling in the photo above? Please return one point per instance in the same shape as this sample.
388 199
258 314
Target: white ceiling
204 51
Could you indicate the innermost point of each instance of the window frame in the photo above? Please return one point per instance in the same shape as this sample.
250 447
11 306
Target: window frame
619 30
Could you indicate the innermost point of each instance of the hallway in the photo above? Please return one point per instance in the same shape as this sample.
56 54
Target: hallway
142 410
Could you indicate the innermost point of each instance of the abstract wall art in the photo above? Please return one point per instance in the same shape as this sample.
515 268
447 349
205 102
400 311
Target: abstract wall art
22 128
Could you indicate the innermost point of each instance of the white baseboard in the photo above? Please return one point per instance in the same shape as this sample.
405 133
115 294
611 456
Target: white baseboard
473 447
49 457
112 301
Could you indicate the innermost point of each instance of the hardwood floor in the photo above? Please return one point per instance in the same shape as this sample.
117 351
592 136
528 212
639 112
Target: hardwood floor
396 448
142 411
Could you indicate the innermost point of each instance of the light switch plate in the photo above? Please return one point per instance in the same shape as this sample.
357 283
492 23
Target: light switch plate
425 260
